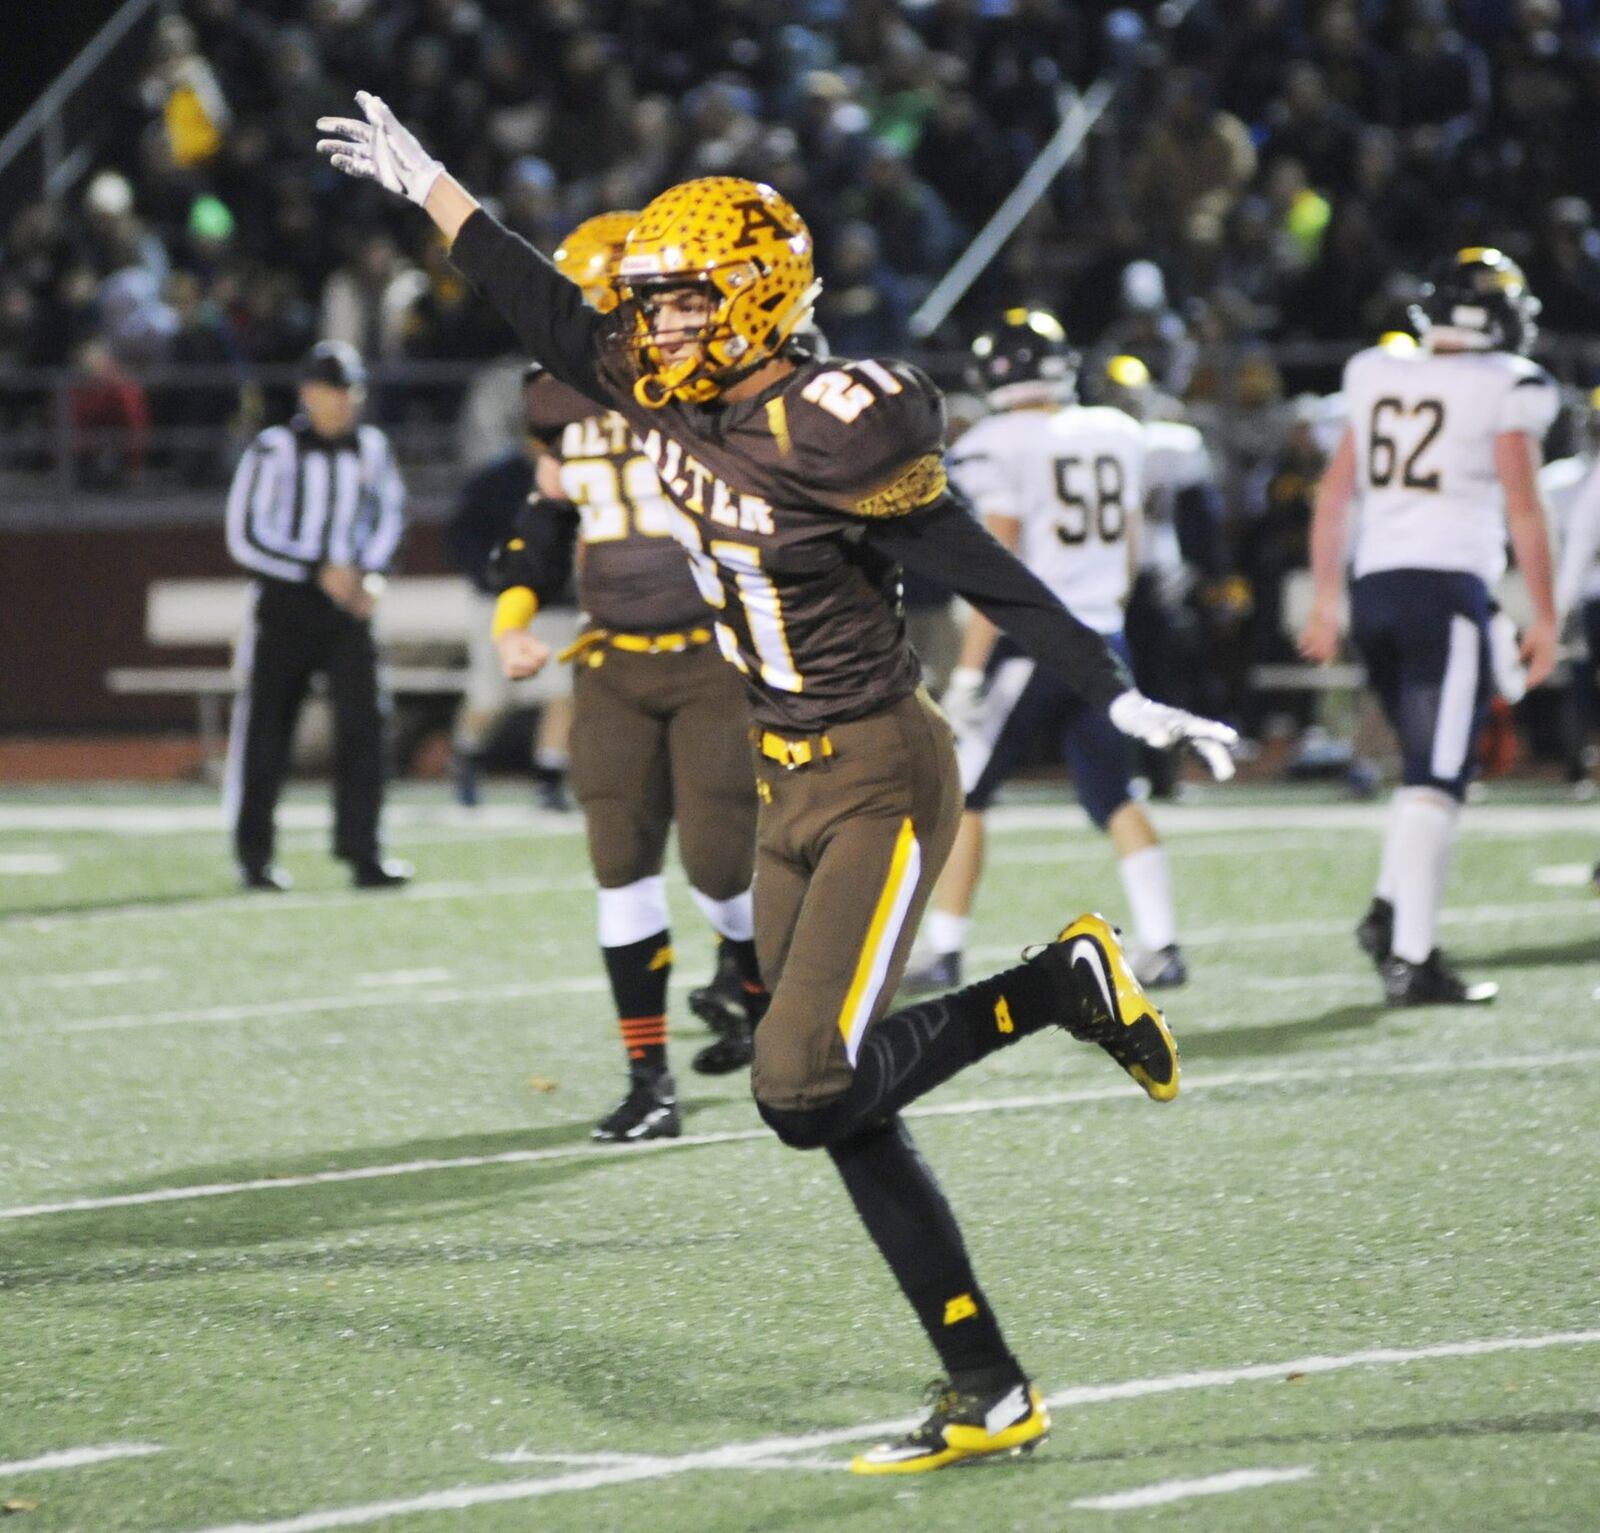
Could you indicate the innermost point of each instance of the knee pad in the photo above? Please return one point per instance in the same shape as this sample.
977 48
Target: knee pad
633 912
804 1128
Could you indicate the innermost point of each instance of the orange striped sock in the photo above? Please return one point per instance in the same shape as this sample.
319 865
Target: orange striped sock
645 1039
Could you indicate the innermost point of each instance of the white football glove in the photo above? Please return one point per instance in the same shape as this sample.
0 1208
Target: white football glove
1158 725
962 699
381 149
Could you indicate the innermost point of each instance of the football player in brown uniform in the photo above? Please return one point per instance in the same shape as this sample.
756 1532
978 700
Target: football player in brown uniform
800 487
660 726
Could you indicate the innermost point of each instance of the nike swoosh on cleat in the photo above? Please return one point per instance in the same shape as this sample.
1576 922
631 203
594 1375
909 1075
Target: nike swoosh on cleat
1083 950
1007 1412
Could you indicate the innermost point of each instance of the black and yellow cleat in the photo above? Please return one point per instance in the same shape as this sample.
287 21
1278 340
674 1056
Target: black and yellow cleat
1108 1005
1011 1421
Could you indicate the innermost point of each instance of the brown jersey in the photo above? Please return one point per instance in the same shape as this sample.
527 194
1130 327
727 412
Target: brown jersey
797 508
632 575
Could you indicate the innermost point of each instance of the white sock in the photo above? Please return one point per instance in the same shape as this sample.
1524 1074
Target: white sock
1147 881
1388 866
549 759
734 919
633 912
947 933
1424 836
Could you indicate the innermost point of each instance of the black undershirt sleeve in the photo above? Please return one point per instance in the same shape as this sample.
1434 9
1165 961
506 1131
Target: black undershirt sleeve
945 542
546 311
539 553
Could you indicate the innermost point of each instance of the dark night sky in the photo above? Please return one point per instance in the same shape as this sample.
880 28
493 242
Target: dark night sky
39 49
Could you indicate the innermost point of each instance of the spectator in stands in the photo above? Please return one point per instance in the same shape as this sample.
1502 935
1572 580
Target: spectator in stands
110 419
863 309
181 86
1189 168
366 300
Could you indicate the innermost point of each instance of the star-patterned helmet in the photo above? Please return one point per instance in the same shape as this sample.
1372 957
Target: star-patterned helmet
750 252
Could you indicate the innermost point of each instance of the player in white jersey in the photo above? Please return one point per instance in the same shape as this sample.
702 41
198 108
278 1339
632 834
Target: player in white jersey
1441 451
1060 483
1572 491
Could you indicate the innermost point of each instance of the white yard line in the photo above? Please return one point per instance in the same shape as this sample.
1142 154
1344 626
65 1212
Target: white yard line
1444 1065
90 979
1181 1490
1564 875
737 1456
77 1458
389 978
1268 931
32 864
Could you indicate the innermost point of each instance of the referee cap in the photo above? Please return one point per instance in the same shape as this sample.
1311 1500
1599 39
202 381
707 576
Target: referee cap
334 362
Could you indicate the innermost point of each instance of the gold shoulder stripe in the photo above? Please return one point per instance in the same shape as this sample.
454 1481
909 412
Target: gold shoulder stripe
778 425
915 486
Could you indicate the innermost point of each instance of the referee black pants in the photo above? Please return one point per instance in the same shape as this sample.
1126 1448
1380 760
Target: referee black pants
295 632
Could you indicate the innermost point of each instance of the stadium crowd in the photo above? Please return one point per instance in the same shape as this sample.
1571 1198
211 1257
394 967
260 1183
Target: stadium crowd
1268 171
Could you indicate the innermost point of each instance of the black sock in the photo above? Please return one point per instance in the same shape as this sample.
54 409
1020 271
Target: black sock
911 1224
639 973
742 957
909 1052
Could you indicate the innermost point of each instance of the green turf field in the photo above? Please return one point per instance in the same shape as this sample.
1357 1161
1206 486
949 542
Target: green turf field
300 1227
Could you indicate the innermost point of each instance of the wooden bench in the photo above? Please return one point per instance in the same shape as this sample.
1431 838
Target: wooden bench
417 612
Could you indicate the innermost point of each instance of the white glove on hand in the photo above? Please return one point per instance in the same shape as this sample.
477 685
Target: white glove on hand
962 700
1158 725
381 149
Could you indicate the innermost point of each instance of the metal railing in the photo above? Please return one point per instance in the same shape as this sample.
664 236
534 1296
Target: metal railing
63 462
43 132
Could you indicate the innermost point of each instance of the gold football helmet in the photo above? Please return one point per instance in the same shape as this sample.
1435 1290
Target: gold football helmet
752 254
590 254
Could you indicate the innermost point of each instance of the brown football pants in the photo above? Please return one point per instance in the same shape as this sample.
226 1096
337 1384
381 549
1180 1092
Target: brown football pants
657 738
848 850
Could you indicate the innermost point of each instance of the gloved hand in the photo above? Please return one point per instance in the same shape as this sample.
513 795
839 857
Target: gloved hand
1158 725
962 700
381 149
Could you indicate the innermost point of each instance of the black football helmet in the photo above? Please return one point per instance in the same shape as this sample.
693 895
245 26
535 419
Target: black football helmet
1029 347
1479 292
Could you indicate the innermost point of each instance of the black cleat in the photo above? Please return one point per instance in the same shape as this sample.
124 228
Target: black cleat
649 1111
1104 1003
940 973
267 876
1012 1421
1375 934
1432 983
380 873
1164 969
731 1011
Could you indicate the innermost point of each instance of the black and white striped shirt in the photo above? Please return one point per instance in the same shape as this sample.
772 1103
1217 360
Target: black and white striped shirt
299 500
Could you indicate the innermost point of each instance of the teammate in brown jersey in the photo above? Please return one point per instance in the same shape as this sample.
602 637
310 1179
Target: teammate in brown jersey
801 485
660 725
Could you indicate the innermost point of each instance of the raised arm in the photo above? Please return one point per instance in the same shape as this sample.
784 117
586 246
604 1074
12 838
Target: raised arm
545 310
942 540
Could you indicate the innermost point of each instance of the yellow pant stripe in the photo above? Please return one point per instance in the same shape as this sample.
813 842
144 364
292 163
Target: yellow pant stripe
888 917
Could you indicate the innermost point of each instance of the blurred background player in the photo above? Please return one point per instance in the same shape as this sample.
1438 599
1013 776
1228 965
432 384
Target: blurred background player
484 516
1571 488
1059 483
1442 454
661 725
315 513
1179 555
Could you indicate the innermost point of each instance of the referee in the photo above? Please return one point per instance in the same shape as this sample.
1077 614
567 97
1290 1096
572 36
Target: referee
315 514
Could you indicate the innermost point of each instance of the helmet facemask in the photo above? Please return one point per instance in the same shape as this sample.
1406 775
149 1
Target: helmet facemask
748 252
